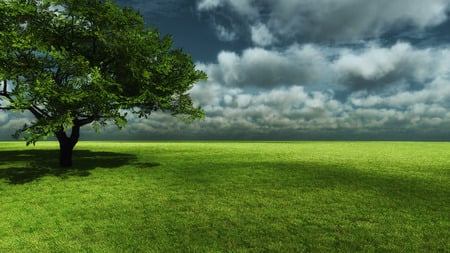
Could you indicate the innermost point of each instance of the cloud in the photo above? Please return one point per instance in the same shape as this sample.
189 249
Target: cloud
330 20
3 117
375 67
224 34
353 19
264 68
436 92
206 5
261 36
369 67
399 91
243 113
243 7
295 113
10 122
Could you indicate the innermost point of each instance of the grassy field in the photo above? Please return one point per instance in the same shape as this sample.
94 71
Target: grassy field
226 197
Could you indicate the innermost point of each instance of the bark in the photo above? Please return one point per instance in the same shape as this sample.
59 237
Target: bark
66 145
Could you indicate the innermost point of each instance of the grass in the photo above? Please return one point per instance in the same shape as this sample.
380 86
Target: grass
226 197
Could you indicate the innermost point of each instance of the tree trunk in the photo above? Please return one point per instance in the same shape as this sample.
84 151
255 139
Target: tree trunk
65 153
66 145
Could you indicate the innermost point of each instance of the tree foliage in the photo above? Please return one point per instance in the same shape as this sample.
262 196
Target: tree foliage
77 62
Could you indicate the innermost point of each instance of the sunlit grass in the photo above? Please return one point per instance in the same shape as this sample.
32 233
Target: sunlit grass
226 197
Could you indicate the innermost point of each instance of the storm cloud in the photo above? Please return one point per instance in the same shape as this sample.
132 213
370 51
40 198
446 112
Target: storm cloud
330 20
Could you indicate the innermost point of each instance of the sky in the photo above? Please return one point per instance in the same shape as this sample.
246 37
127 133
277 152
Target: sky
303 70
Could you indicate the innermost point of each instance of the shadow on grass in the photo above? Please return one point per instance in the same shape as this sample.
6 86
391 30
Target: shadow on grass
23 166
409 191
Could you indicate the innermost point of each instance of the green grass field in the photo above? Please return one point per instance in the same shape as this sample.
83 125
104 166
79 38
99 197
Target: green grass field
226 197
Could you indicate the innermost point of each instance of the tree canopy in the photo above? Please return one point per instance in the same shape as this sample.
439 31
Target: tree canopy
77 62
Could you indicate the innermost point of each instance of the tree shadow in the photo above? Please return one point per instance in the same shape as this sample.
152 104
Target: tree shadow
24 166
408 191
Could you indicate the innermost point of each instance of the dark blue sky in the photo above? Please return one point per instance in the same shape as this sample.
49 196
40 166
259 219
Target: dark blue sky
323 69
196 30
192 31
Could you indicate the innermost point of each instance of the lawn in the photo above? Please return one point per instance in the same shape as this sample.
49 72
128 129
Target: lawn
226 197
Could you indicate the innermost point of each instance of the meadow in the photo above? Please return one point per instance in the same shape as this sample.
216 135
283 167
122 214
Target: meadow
226 197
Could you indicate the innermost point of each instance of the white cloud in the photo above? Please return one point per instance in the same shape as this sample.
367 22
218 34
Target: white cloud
375 67
331 20
225 34
205 5
353 19
292 112
403 91
436 92
269 68
244 7
371 67
261 36
273 91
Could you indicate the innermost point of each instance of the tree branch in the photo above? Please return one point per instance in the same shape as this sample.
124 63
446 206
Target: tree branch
36 112
82 122
75 135
60 134
4 92
42 112
5 87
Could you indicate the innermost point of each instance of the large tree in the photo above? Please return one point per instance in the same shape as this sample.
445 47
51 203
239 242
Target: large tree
87 62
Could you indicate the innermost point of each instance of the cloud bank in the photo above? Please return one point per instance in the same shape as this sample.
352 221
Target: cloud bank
309 91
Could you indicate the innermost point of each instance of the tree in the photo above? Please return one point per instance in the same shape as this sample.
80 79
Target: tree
73 63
